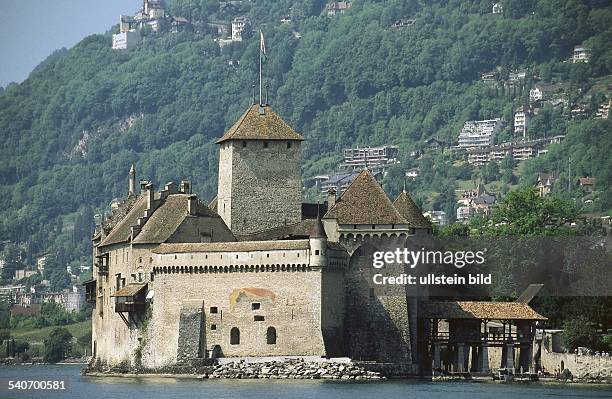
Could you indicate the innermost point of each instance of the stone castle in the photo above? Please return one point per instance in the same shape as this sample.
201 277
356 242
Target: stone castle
257 272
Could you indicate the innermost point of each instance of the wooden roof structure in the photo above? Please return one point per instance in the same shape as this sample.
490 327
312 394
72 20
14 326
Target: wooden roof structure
478 310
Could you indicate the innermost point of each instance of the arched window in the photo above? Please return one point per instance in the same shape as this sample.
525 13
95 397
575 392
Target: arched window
271 336
235 336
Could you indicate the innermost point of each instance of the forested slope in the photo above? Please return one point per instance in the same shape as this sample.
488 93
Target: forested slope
71 130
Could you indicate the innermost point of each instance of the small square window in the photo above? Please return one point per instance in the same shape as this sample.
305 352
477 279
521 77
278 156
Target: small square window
243 144
259 318
255 306
213 309
316 251
288 144
265 143
213 327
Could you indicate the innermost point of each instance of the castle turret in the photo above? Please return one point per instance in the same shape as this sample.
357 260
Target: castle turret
259 173
318 244
132 182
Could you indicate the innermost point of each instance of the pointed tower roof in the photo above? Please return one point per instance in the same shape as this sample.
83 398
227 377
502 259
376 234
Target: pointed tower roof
260 123
318 231
410 211
364 202
480 189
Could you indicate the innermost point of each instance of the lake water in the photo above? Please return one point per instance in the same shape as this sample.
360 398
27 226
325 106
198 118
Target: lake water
78 386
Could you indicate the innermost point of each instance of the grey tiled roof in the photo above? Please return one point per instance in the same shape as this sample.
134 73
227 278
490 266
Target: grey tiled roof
235 246
122 230
365 202
255 126
410 211
167 218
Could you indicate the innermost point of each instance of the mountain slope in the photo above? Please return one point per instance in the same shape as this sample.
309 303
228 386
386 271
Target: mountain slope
72 129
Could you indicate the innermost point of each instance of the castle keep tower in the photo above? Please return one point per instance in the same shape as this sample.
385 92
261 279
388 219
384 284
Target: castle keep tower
259 173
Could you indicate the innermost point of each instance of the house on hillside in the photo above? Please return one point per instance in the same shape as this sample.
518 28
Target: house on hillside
436 217
337 7
400 23
473 202
580 54
479 133
587 184
239 25
521 117
498 8
603 111
545 182
536 94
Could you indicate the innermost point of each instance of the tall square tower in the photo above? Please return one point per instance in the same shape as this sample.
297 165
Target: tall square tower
259 173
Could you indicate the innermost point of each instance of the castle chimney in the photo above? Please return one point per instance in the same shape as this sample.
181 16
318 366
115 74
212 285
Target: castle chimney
143 185
186 186
150 197
132 182
191 204
331 197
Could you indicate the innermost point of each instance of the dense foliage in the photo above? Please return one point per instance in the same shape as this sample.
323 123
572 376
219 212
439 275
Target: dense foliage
71 130
524 215
57 345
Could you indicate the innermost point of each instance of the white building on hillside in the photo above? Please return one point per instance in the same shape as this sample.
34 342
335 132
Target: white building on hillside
581 54
479 133
239 24
126 40
536 94
521 117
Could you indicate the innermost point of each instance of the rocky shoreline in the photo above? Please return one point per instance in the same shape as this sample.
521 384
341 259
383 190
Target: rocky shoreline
288 369
295 370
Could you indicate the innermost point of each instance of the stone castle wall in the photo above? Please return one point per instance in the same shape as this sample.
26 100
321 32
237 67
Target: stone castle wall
585 367
263 189
249 291
112 340
377 324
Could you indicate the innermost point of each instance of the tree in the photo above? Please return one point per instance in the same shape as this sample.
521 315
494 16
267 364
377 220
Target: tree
13 260
580 331
57 345
524 213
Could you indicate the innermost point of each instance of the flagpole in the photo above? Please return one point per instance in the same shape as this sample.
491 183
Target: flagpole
260 72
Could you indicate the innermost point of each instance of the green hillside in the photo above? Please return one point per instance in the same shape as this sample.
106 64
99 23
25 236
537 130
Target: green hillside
71 130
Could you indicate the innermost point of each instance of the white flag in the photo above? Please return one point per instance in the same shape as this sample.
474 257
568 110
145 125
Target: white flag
262 45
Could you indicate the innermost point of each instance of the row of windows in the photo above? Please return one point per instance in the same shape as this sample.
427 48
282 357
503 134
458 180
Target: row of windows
254 306
265 144
235 336
230 269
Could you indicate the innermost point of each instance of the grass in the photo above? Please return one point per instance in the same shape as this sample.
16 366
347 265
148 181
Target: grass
38 335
